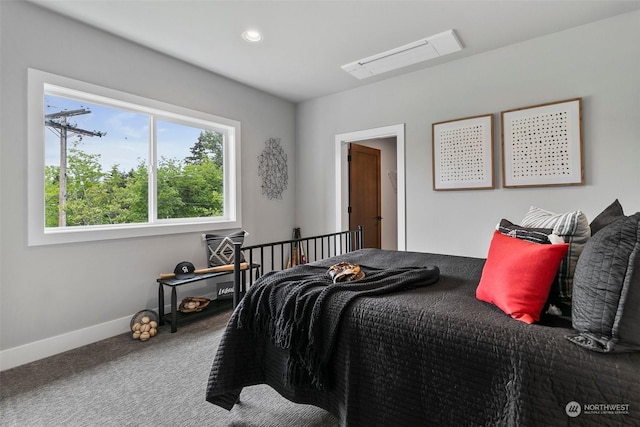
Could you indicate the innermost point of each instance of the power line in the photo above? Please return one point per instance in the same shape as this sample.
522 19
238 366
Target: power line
64 128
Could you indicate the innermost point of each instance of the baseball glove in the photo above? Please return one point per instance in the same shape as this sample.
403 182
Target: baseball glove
193 304
345 272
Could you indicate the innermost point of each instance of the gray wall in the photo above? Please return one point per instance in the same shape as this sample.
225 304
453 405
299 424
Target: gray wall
56 297
599 62
51 293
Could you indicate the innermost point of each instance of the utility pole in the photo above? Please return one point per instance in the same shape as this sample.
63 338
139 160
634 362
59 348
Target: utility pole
58 121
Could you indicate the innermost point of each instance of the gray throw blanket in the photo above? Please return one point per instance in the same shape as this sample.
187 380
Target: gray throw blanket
291 308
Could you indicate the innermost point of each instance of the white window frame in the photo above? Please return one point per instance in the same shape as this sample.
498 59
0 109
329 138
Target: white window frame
41 82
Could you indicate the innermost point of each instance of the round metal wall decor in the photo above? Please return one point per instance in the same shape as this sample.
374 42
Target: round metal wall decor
273 169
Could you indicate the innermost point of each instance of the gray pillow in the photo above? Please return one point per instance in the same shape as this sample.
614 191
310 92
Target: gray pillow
606 217
606 289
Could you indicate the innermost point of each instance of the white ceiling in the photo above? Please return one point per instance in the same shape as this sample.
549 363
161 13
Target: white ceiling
306 42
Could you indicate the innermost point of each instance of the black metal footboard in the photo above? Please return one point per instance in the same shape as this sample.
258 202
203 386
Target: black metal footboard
284 254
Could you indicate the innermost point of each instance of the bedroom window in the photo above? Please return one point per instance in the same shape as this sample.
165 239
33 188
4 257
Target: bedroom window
104 164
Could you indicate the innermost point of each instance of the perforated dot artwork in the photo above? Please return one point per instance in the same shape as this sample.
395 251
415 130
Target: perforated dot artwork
462 154
541 145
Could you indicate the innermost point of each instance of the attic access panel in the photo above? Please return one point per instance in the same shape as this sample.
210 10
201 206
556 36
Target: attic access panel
419 51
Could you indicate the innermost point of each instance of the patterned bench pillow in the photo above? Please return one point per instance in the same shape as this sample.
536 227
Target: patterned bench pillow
220 248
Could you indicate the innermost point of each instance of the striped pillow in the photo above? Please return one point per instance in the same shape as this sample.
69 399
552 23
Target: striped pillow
574 228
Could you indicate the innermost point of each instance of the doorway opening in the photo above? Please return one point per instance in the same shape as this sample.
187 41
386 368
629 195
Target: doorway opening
365 194
390 140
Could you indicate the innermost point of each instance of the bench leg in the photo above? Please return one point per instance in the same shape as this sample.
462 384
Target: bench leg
174 310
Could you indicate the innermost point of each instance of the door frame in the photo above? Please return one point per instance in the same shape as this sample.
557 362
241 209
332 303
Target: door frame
342 141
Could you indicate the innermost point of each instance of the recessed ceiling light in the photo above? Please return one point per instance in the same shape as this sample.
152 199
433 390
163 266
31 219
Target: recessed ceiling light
252 36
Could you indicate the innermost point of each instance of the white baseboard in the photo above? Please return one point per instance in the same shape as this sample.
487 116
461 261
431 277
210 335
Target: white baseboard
37 350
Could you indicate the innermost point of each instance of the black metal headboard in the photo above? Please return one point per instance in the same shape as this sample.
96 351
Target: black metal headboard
283 254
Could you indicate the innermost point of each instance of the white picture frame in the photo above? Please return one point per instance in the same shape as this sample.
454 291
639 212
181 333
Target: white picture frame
462 153
542 145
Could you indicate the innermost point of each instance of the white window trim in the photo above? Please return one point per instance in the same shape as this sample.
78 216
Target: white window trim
38 235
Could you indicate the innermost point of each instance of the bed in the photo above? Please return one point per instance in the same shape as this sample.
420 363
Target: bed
433 354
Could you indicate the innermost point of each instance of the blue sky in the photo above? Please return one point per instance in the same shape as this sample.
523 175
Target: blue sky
126 142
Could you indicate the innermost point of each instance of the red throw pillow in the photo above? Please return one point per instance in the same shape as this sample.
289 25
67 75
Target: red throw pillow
517 275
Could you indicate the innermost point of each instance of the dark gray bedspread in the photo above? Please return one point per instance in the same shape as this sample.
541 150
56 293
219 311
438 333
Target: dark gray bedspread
437 356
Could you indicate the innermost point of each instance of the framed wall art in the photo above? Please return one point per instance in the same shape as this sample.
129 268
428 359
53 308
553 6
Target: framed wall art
542 145
463 153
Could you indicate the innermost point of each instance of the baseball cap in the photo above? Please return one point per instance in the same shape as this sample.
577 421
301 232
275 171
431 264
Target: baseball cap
184 270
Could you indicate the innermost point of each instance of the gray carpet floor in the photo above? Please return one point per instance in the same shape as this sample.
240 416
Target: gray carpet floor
124 382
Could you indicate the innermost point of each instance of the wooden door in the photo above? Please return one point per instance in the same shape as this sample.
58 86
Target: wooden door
365 206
